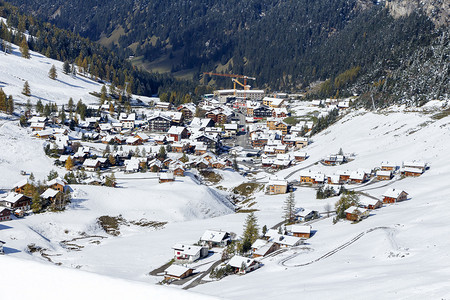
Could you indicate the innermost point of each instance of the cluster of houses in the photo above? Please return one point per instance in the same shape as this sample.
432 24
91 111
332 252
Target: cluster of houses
272 241
391 195
385 172
18 201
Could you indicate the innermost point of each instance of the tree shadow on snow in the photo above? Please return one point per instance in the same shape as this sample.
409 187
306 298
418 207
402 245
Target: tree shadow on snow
2 227
8 250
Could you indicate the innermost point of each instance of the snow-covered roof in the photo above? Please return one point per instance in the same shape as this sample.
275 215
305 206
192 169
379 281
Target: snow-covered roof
300 228
259 243
278 182
90 163
176 270
176 130
263 249
49 193
412 170
187 249
12 197
286 240
384 173
237 261
354 209
213 236
57 180
166 176
414 164
392 193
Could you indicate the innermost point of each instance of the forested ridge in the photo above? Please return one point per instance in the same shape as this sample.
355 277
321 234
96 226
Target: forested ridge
286 45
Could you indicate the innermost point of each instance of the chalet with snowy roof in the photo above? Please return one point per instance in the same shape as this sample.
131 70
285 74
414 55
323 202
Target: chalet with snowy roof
54 197
411 172
344 175
277 186
91 165
189 253
230 129
142 136
155 165
370 203
177 272
177 170
15 201
354 213
305 215
159 123
358 177
133 141
208 140
393 195
415 164
5 214
166 177
21 186
37 126
313 178
333 160
384 175
132 165
201 149
165 106
187 110
286 240
302 231
279 112
262 248
388 166
243 265
127 120
215 238
178 133
262 112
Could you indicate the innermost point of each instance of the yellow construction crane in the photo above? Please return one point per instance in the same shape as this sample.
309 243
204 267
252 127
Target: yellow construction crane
235 80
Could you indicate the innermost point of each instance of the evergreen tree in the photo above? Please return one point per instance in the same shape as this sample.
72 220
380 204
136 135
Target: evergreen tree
112 160
52 175
69 163
184 158
103 94
26 89
36 203
10 105
289 208
251 232
66 67
62 115
162 155
24 50
52 73
39 106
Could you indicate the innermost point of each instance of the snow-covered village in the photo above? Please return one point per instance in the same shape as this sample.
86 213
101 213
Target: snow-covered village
237 192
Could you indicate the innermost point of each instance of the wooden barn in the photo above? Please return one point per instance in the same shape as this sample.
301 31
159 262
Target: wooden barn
354 213
177 272
392 196
303 231
384 175
166 177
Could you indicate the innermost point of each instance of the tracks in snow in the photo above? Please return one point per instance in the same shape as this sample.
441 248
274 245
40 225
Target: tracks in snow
389 231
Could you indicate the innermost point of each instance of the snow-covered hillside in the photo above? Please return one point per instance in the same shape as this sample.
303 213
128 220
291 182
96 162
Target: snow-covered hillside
403 252
15 70
50 282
